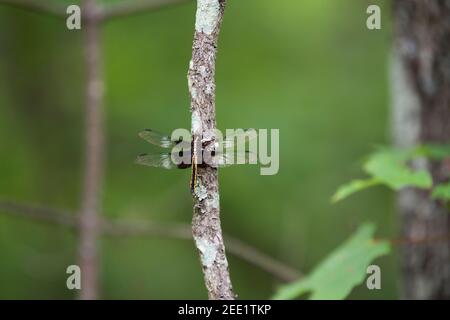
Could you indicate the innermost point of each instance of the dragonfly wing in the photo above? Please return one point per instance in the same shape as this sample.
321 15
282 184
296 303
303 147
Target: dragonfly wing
230 158
159 160
156 138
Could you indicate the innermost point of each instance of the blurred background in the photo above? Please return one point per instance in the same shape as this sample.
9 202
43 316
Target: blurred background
310 68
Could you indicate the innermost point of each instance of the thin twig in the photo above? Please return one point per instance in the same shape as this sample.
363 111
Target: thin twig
132 7
278 269
48 7
105 12
127 228
39 213
206 227
184 232
94 149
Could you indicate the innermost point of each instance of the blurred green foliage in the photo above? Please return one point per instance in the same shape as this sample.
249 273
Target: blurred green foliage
309 68
342 270
392 167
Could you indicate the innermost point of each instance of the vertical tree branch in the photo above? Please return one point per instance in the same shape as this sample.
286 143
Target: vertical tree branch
94 149
206 227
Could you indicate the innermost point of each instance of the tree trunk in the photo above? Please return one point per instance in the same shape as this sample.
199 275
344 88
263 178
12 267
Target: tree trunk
421 114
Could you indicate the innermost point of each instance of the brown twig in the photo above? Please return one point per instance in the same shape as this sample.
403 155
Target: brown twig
39 213
206 227
127 228
48 7
106 12
132 7
94 149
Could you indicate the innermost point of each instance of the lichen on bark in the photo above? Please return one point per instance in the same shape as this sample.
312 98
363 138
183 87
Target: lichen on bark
206 226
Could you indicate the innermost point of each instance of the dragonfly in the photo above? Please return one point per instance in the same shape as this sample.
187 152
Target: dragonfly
186 154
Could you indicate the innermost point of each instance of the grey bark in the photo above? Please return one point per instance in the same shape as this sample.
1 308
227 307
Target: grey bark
206 227
421 114
88 260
